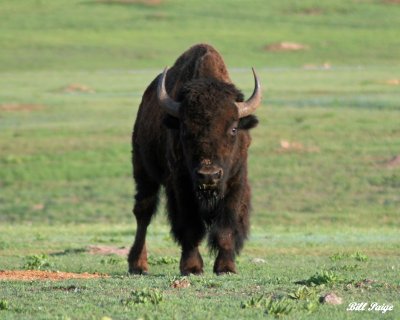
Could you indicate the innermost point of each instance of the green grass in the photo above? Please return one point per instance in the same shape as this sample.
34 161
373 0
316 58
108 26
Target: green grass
325 210
292 257
90 34
70 160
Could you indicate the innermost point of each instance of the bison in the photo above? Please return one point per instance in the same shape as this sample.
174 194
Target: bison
191 136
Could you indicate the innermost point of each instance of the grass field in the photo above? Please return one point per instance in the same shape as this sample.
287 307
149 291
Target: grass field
323 168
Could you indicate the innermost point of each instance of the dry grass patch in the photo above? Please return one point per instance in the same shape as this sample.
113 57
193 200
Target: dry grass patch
391 1
127 2
10 107
29 275
77 87
106 250
294 146
394 162
393 82
285 46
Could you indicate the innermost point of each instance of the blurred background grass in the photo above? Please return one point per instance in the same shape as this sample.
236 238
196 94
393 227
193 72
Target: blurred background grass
121 34
72 76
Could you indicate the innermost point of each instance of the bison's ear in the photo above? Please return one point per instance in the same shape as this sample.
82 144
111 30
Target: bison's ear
171 122
248 122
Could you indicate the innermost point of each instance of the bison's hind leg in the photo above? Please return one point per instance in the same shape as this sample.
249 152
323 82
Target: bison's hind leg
146 201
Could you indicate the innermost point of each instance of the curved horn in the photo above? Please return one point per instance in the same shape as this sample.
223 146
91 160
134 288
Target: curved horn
248 107
166 102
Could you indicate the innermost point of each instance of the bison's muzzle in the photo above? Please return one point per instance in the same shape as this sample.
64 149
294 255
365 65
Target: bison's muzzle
208 187
208 177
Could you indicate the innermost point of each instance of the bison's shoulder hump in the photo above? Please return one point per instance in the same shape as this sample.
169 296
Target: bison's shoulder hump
201 60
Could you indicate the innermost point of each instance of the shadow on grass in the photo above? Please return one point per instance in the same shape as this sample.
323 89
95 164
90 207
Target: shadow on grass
68 252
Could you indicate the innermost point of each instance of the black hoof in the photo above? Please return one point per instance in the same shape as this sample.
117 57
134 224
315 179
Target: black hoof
138 272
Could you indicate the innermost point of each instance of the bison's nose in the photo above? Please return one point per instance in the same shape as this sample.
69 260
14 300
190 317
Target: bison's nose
208 176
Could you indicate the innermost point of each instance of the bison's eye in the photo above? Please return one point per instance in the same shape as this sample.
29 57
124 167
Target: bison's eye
234 131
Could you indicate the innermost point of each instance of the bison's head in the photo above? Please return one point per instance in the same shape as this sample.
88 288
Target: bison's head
212 120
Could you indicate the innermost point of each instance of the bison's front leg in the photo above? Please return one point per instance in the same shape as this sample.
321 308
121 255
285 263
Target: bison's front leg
223 240
229 231
188 229
191 261
189 236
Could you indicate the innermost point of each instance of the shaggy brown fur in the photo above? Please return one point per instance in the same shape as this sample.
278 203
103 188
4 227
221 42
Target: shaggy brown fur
207 143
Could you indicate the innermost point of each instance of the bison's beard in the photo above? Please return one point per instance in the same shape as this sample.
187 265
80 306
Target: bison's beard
208 202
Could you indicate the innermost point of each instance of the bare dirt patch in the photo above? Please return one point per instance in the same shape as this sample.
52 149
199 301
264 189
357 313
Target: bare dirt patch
77 87
105 250
311 12
393 82
391 1
285 46
144 2
29 275
38 207
294 146
157 16
324 66
394 162
20 107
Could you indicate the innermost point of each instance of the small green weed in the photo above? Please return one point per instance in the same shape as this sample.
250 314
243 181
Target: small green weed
309 296
144 296
276 308
151 260
256 302
4 245
112 260
347 267
40 237
279 308
207 283
4 304
360 256
325 277
303 293
37 262
311 306
339 256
